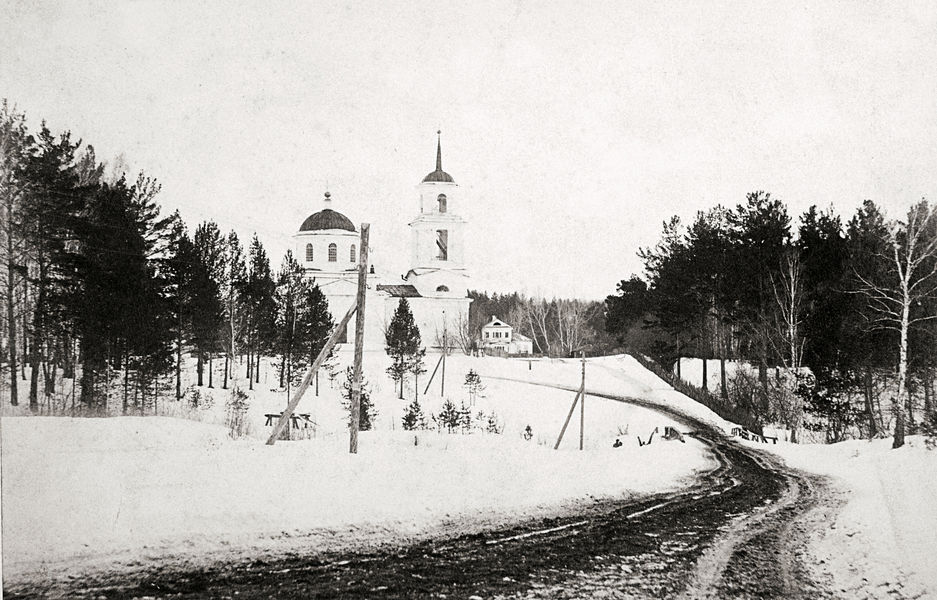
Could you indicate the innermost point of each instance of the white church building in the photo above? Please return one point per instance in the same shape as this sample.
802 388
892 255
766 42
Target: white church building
436 284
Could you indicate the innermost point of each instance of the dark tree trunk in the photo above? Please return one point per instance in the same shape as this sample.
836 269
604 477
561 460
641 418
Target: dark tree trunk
870 411
11 319
199 366
224 383
211 380
898 442
179 366
705 374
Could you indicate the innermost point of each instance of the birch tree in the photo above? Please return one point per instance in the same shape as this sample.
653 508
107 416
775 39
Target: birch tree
909 279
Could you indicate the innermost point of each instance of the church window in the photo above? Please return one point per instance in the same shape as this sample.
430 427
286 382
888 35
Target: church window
352 253
308 252
442 244
333 253
441 199
442 288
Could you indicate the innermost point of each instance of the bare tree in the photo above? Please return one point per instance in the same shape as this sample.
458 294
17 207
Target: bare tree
910 277
787 341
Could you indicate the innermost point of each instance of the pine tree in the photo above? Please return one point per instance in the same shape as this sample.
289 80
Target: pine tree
235 277
402 343
258 296
15 147
208 308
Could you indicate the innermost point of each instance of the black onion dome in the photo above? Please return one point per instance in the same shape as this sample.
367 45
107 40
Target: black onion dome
327 219
438 176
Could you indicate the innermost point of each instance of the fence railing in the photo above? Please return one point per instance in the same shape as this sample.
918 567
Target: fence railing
714 403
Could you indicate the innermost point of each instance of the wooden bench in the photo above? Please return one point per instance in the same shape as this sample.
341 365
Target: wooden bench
295 419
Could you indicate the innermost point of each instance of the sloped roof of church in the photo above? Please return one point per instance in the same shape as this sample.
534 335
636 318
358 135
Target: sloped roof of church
438 176
327 219
399 291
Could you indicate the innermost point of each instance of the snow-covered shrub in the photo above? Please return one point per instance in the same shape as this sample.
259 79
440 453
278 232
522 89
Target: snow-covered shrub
236 414
199 400
528 433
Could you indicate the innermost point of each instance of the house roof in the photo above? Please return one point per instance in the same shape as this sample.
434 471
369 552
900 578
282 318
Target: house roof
399 291
520 337
495 322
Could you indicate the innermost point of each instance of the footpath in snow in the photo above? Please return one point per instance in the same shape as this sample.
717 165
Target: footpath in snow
92 492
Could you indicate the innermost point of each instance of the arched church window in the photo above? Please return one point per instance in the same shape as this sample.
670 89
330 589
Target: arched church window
308 252
441 199
333 253
442 288
442 244
352 253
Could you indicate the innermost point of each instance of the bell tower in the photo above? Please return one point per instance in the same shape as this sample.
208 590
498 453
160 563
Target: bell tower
437 258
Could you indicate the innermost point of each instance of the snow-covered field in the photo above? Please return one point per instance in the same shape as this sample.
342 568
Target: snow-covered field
133 489
885 536
86 493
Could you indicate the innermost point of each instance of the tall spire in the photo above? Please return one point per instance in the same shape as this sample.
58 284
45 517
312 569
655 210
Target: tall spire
438 176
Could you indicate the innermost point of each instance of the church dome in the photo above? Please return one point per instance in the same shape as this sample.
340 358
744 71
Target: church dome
327 219
438 176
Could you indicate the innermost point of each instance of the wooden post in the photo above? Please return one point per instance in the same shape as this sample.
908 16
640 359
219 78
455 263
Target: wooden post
445 351
568 417
582 406
307 380
430 382
359 340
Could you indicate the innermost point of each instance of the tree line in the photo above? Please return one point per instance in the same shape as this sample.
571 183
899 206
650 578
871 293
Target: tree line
98 284
844 313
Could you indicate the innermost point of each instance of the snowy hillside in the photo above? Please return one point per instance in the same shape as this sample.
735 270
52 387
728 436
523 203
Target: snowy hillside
141 488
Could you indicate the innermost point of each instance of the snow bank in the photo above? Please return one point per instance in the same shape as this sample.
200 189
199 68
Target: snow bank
87 489
886 534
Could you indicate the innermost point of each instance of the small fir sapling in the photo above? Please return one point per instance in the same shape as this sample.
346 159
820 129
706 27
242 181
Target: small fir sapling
367 410
449 417
413 418
528 433
473 382
465 418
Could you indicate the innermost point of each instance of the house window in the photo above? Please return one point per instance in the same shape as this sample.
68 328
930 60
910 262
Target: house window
308 252
352 253
441 199
333 253
442 288
486 335
442 244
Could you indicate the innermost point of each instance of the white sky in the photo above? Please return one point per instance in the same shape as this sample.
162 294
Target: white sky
573 129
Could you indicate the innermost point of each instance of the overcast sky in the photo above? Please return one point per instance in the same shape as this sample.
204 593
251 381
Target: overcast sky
574 130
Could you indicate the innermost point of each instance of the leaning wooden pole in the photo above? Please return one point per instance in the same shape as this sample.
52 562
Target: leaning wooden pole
430 382
359 341
572 409
307 380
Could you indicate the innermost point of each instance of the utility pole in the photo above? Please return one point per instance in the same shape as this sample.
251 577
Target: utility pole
445 351
582 406
359 340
